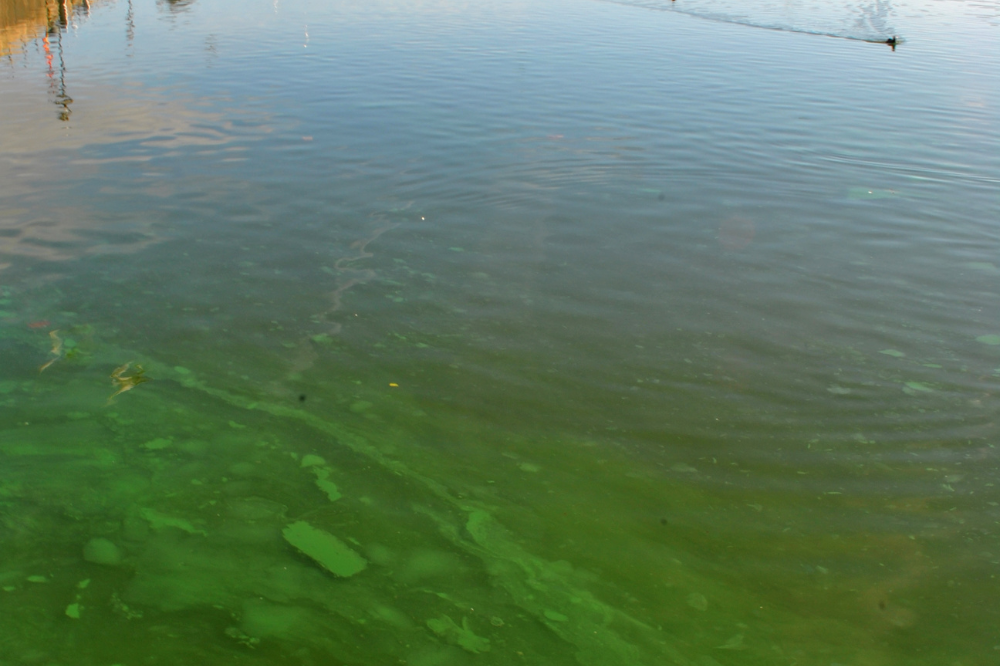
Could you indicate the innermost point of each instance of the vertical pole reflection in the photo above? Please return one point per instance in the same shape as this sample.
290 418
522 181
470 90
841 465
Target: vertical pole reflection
63 100
57 86
129 29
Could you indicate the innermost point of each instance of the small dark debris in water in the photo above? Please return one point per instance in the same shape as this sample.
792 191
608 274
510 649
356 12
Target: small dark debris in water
892 42
663 521
302 397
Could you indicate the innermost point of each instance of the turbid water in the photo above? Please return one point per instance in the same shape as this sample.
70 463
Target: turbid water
446 333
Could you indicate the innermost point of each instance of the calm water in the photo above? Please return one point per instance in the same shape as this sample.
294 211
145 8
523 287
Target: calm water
596 333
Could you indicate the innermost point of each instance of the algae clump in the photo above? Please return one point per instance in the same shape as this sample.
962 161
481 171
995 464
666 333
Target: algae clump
102 551
462 636
326 549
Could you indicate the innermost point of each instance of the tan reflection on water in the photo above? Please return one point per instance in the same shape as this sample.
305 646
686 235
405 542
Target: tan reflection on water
24 20
37 161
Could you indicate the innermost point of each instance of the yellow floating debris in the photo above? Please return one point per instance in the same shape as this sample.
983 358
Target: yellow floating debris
56 351
127 383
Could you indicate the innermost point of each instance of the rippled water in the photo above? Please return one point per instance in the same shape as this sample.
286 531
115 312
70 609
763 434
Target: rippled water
602 333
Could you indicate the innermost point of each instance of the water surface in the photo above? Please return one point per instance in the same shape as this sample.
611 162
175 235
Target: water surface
604 334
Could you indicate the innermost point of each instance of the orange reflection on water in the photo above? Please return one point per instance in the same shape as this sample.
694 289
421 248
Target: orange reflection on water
21 21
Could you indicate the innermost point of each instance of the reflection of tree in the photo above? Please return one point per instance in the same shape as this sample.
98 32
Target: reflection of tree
129 28
176 5
22 21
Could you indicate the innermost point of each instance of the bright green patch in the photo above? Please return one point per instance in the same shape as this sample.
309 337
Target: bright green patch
893 353
157 444
323 483
312 460
159 521
326 549
989 339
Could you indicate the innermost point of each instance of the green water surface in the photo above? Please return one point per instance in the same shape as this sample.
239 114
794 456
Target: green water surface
443 333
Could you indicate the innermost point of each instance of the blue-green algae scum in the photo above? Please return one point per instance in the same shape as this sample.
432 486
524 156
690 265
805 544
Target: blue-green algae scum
468 332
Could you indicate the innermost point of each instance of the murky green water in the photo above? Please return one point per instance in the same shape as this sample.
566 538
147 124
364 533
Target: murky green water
445 333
